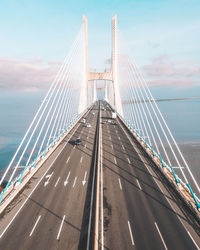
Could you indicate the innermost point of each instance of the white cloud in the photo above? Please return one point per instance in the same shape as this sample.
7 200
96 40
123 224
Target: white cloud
165 71
26 75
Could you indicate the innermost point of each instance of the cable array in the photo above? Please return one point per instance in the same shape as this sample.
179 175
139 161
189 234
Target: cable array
143 116
56 114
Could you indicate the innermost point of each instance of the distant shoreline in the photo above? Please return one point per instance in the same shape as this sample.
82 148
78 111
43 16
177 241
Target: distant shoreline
163 100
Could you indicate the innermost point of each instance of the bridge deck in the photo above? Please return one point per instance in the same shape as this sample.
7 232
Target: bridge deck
138 211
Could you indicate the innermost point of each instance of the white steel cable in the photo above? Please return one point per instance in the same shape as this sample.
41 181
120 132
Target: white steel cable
158 134
139 98
30 126
177 147
57 80
139 102
44 123
54 124
52 116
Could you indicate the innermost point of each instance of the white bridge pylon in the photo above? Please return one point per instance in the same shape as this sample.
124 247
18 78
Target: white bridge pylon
113 96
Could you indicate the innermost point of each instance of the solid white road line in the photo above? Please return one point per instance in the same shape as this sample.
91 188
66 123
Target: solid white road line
68 159
57 182
193 240
66 181
37 183
129 161
74 181
120 185
115 160
160 235
81 159
35 225
58 236
139 185
129 227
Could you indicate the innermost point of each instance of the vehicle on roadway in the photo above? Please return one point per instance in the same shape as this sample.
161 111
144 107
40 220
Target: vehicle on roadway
83 120
88 125
78 141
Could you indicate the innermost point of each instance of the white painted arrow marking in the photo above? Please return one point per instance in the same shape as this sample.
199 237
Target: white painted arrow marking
66 181
84 181
48 177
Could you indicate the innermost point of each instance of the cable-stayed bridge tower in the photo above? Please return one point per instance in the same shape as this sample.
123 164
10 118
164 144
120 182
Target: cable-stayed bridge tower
114 94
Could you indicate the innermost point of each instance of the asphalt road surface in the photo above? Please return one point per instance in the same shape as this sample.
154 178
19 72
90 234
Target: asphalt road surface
136 210
53 215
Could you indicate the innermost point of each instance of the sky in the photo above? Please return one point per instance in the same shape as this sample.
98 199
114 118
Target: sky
162 35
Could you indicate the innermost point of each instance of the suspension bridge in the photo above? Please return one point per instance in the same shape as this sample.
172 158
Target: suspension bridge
99 174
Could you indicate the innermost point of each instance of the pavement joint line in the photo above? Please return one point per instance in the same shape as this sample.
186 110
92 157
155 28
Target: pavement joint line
160 236
139 184
74 181
57 181
193 240
61 225
37 184
35 225
130 231
120 184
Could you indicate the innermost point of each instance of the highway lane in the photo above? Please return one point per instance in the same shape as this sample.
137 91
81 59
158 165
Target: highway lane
137 215
52 217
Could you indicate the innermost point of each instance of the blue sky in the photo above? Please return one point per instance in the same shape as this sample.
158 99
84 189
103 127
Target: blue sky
161 34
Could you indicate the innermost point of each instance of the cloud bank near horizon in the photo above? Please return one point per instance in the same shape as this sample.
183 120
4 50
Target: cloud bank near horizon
27 75
36 74
163 70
